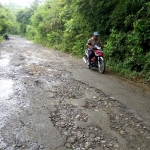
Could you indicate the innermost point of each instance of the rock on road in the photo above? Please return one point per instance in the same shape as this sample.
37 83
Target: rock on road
51 101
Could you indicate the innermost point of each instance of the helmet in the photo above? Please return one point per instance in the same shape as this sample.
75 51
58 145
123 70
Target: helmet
95 33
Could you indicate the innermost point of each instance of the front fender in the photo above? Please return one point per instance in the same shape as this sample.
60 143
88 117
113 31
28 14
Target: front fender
101 58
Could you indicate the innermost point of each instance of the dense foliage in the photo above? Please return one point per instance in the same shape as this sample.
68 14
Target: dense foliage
8 23
123 25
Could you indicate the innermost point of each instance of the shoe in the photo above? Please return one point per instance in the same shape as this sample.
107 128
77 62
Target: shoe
88 64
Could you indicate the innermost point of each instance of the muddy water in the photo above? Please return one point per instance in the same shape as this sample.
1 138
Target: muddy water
50 101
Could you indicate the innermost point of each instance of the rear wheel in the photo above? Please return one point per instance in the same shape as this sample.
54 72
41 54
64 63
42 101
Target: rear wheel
101 66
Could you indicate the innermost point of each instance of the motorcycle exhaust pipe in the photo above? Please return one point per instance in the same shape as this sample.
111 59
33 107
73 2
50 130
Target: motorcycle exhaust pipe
84 59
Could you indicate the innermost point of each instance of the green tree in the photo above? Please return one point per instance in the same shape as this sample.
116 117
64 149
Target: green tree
24 15
67 24
4 20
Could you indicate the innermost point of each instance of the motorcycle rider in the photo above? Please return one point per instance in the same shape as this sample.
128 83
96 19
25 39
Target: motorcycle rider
94 40
6 36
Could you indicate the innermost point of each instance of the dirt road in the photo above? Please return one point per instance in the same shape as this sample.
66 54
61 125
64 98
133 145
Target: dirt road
51 101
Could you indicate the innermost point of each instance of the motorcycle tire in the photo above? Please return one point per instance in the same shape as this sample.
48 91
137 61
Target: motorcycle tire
101 66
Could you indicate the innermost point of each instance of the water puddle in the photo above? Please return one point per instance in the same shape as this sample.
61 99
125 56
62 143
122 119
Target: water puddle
4 62
6 89
8 104
29 42
25 44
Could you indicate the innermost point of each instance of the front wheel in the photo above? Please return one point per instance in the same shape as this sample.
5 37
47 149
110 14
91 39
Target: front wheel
101 65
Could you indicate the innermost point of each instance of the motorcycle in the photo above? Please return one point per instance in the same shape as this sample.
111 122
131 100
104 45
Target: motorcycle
6 37
97 61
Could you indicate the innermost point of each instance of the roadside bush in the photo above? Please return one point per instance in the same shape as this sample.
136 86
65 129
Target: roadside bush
124 25
31 32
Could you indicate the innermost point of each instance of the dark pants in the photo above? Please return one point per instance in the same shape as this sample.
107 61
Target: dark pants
91 54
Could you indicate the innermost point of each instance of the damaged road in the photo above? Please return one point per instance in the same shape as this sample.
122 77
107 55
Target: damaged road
50 101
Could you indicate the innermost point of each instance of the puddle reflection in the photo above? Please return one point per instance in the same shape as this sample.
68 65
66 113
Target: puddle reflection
6 89
29 42
4 62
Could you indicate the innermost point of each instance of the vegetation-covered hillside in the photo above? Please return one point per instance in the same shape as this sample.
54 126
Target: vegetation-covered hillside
123 26
8 23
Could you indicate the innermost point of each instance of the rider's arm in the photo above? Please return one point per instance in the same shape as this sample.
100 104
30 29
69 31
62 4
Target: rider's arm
89 45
